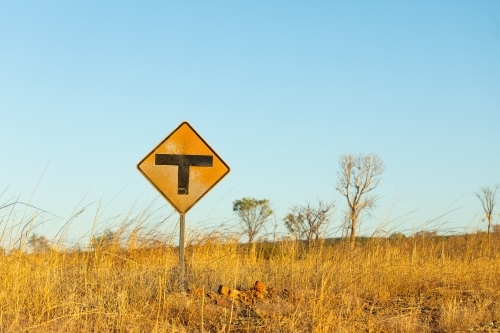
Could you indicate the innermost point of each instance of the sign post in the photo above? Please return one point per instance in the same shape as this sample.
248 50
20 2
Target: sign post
183 168
182 225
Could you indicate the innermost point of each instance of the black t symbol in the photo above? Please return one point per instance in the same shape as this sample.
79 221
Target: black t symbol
184 162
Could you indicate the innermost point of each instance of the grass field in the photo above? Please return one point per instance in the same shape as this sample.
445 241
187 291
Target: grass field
434 284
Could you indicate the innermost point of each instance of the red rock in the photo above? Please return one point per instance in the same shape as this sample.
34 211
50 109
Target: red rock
222 302
259 286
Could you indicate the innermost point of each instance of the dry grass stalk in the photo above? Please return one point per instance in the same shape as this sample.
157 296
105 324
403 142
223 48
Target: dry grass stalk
385 285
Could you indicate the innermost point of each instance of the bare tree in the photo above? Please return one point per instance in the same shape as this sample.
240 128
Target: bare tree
358 176
308 222
487 196
39 244
426 233
253 215
107 239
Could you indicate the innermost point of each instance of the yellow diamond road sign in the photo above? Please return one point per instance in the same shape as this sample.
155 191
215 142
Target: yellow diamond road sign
183 168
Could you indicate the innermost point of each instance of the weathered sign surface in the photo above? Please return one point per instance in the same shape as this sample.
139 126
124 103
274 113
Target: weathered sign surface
183 168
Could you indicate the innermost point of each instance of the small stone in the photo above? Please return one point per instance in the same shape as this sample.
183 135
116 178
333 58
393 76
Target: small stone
259 286
233 293
224 290
222 301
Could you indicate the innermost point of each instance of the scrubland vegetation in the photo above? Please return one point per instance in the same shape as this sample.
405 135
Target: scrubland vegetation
128 283
126 279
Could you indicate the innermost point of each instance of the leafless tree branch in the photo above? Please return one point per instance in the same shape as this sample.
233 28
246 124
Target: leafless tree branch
358 176
487 196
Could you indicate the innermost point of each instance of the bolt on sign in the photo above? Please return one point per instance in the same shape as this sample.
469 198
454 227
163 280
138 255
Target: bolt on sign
183 168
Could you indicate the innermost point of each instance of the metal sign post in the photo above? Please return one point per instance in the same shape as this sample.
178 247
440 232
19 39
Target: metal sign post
183 168
181 251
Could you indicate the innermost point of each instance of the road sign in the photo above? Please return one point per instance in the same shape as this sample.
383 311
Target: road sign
183 168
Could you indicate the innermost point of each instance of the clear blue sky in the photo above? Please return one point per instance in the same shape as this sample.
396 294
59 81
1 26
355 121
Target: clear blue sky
279 89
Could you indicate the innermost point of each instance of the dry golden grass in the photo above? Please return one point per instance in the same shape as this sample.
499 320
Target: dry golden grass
437 284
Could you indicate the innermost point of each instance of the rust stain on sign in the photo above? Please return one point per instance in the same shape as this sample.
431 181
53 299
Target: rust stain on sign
183 168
